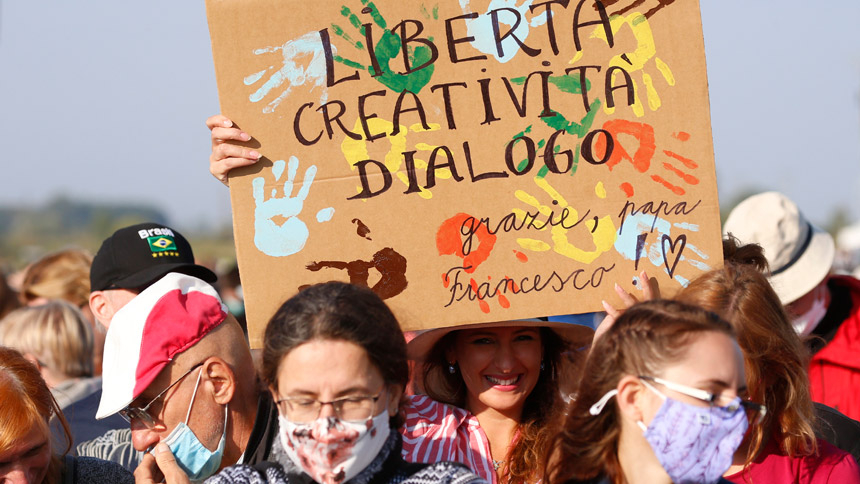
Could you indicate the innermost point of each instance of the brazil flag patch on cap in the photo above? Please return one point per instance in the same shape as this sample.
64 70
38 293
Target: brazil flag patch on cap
162 245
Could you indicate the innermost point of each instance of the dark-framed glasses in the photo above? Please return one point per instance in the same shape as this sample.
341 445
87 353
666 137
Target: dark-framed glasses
141 414
755 411
353 408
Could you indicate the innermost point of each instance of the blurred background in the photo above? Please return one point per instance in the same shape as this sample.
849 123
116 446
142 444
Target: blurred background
103 107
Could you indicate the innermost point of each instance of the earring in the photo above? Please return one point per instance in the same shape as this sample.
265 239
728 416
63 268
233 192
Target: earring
451 368
542 367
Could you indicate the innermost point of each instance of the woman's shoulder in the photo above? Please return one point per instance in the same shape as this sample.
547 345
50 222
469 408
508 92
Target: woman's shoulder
422 412
444 473
97 471
839 465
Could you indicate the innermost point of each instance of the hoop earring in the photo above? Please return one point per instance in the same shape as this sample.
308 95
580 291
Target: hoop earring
451 368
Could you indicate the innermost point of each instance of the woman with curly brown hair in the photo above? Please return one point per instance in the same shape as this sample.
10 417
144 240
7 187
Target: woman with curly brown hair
492 394
782 447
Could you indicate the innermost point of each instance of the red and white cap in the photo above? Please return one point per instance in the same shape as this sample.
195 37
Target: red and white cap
164 320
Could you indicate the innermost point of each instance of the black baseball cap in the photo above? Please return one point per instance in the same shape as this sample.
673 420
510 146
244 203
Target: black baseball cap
134 257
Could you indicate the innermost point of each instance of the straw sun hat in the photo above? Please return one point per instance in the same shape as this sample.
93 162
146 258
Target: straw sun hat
576 334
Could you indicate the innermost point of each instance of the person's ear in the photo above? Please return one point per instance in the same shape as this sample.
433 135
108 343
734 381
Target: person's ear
274 392
34 360
395 393
451 356
222 378
101 308
631 392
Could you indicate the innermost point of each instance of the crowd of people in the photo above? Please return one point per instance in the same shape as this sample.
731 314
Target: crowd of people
124 367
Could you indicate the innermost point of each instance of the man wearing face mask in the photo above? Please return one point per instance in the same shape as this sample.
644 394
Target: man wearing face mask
178 369
825 308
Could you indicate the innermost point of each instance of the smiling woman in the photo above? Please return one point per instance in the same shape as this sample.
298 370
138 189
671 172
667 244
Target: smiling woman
26 453
501 381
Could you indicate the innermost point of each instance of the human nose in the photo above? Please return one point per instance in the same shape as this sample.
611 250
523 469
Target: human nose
504 358
327 410
142 438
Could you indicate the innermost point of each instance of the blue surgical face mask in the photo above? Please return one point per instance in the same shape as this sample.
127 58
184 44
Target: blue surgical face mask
193 457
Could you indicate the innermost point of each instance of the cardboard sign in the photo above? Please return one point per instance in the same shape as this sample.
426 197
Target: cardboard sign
469 161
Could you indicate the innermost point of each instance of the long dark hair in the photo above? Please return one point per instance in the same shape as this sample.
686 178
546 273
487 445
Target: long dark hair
644 339
338 311
541 407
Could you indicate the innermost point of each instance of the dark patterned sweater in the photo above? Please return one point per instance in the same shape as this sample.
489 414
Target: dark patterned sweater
387 468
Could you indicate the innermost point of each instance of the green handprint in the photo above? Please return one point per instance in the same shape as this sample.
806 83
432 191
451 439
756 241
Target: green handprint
571 85
386 49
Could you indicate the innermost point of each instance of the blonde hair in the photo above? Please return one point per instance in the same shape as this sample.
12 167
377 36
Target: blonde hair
56 333
61 275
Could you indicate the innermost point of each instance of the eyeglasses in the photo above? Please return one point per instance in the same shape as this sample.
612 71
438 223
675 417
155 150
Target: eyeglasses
141 414
755 411
354 408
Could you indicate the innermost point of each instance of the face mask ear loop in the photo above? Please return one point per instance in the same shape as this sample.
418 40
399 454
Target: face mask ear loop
598 407
193 395
651 387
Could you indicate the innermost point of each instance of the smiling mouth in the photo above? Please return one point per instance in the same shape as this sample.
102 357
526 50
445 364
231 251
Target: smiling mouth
503 381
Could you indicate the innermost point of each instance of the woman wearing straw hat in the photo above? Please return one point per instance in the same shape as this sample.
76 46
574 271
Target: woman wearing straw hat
500 383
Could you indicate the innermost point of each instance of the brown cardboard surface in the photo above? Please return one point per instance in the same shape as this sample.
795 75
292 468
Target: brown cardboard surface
454 224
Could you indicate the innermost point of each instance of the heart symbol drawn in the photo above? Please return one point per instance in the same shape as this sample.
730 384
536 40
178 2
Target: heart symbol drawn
682 239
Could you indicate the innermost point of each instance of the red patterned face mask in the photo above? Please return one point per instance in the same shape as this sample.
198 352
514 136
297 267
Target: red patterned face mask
333 451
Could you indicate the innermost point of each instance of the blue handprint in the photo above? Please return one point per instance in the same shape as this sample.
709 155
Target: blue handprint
648 236
282 239
290 72
481 28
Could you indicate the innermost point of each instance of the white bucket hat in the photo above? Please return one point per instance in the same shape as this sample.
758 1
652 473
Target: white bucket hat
800 254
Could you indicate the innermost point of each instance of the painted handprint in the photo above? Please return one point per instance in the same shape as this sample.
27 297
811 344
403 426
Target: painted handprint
647 236
356 150
290 73
602 230
513 15
677 169
386 48
278 231
642 56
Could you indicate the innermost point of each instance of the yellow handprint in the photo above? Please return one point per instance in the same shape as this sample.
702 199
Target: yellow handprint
635 61
602 230
356 150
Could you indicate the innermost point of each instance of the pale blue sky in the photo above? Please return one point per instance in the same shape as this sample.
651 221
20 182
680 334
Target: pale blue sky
106 100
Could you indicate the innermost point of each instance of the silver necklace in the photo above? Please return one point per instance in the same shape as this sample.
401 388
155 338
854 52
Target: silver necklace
497 464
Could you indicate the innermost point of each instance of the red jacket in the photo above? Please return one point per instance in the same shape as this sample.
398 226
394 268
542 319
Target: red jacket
829 466
834 372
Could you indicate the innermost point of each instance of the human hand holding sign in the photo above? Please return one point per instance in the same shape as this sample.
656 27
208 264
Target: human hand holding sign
227 152
278 231
650 291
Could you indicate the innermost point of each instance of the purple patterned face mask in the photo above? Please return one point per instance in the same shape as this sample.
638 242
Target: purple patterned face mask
695 444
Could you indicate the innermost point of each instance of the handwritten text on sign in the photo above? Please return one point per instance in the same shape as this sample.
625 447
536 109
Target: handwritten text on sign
469 161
